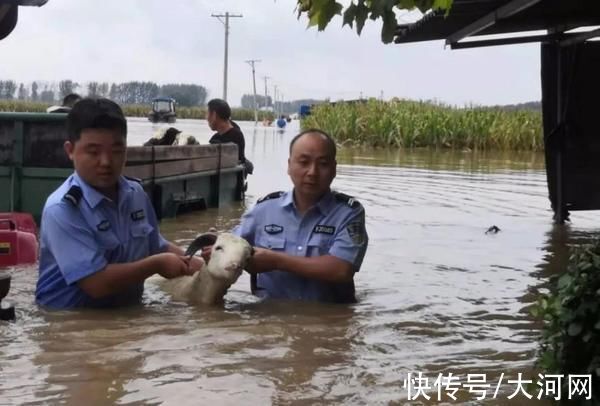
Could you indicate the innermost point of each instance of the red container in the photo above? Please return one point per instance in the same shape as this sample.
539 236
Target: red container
18 241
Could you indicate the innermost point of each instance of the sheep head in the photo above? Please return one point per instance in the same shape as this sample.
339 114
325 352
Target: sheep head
229 256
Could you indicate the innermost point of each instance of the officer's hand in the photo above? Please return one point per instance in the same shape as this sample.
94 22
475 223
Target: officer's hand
195 264
263 260
169 265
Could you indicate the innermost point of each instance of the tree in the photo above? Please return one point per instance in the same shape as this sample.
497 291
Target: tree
92 89
66 87
248 101
103 89
34 91
185 94
47 96
22 94
320 12
7 89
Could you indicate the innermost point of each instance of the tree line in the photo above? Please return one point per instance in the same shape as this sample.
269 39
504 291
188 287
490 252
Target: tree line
125 93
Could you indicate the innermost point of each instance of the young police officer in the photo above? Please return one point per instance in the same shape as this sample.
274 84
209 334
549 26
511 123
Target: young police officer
310 240
99 233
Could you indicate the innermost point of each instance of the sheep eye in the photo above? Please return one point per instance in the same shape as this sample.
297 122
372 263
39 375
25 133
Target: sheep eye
219 248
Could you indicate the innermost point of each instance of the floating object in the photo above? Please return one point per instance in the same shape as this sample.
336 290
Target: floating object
493 230
18 241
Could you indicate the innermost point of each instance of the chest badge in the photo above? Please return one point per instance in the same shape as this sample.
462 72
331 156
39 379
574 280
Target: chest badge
273 229
138 215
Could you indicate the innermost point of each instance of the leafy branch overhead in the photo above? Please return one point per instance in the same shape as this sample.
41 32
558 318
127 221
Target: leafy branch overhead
320 12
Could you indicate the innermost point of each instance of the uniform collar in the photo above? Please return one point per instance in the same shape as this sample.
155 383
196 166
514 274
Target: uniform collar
94 197
324 205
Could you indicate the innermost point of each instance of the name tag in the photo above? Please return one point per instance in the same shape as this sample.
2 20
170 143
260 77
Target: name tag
138 215
321 229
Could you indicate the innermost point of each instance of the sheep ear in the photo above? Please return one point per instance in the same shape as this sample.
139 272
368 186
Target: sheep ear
201 241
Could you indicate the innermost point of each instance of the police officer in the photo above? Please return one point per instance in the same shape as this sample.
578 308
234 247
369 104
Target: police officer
309 241
99 234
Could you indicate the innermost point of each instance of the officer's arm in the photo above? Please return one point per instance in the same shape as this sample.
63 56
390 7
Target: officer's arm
116 277
327 268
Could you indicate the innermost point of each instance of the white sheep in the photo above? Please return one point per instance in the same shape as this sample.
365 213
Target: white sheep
228 259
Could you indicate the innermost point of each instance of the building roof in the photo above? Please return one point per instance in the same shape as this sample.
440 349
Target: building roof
484 17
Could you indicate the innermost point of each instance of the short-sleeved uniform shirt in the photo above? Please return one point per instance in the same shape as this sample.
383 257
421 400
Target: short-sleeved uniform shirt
83 231
334 226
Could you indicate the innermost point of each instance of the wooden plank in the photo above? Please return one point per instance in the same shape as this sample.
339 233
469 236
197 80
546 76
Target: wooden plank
173 168
168 153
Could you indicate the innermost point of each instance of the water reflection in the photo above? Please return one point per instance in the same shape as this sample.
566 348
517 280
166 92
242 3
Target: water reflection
436 295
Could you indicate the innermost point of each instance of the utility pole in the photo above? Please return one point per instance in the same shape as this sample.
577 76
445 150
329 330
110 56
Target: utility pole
227 15
251 62
275 101
266 93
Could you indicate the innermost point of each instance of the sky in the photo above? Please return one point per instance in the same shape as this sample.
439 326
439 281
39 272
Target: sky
178 41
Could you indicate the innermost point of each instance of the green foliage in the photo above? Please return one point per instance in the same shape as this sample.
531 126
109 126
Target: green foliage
571 315
413 124
320 12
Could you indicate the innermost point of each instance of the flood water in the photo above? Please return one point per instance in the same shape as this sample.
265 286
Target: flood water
436 295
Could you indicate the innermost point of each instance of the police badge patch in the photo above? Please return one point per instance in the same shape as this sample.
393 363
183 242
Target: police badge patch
356 231
273 229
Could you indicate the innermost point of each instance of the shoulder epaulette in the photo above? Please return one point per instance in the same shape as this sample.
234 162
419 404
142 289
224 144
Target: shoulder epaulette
73 195
138 180
346 199
274 195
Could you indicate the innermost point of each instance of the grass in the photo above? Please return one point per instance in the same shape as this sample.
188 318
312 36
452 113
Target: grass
411 124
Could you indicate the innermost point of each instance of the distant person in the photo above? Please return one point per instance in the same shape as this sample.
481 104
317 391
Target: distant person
218 116
67 104
99 236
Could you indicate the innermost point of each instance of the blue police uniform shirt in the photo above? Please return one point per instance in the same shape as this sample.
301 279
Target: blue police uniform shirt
83 232
334 226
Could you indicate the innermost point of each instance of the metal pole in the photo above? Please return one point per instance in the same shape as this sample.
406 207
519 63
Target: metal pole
251 62
227 15
275 102
266 93
558 210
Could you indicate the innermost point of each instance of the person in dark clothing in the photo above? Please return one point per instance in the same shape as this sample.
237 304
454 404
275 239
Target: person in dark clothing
218 116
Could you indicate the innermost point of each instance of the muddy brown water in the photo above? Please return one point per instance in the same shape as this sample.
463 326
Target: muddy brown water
436 295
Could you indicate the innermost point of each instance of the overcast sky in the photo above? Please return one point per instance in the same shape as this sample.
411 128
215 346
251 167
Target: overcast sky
178 41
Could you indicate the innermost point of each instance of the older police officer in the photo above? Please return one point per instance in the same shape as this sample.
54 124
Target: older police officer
99 234
309 241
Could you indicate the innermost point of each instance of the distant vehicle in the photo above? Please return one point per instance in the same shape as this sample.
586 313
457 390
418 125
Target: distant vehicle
304 110
163 110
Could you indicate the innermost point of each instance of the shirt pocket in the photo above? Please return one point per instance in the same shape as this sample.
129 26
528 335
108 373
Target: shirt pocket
319 244
271 242
139 242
